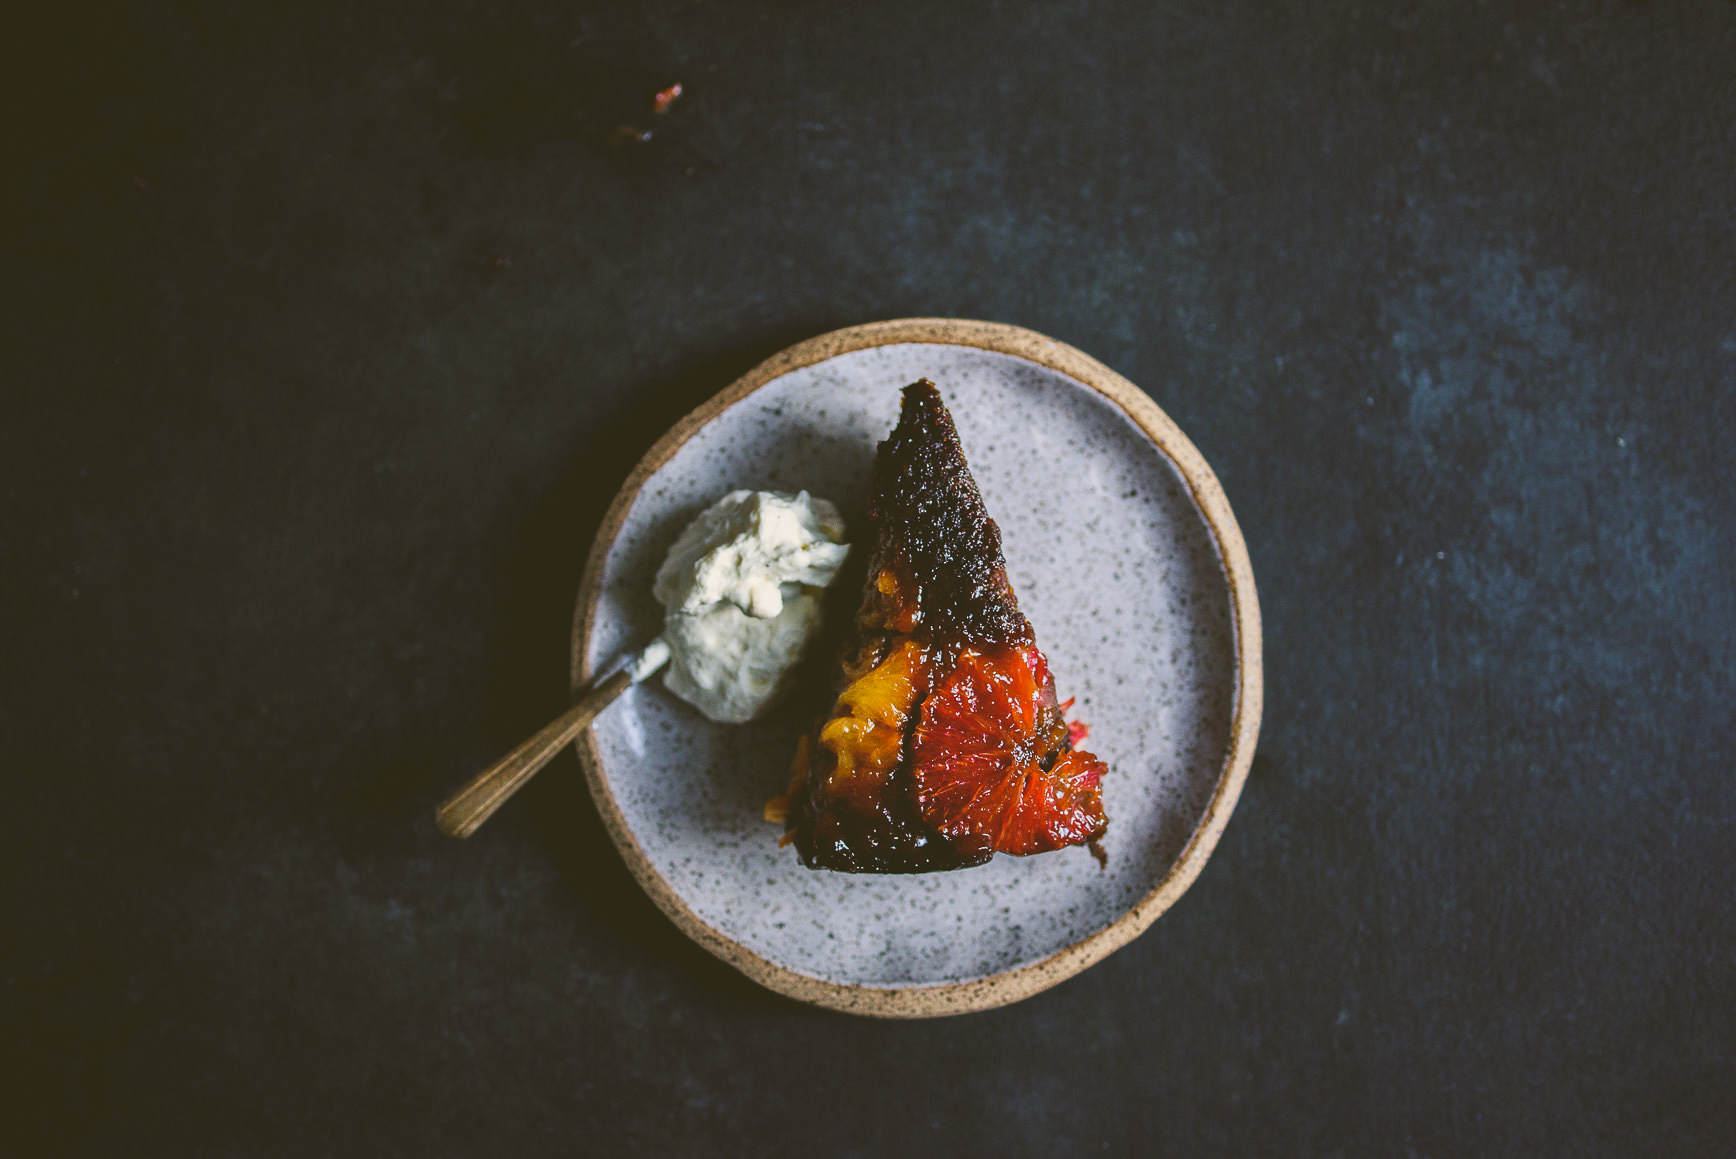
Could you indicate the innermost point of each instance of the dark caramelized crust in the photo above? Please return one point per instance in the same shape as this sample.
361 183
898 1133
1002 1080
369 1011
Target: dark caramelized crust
946 744
936 532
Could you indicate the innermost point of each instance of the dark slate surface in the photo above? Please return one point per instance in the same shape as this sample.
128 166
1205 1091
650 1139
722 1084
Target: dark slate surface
329 329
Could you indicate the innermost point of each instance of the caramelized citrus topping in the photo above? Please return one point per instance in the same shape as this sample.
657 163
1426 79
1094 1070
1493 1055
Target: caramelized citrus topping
866 733
990 760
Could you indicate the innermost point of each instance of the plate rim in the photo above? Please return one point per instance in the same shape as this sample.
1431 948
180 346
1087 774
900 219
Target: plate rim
928 1000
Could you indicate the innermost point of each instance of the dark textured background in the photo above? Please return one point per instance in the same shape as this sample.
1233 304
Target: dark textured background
328 330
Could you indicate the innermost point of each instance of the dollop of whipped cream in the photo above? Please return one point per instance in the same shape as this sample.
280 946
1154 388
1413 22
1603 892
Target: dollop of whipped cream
741 593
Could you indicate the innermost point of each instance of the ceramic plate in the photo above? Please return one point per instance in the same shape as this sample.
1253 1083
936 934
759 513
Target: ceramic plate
1125 556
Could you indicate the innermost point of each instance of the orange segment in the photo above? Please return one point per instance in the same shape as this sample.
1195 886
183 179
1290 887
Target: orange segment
979 752
866 732
1063 806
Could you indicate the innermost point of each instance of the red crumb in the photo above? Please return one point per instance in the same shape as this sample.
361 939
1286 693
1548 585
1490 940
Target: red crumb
665 97
1077 731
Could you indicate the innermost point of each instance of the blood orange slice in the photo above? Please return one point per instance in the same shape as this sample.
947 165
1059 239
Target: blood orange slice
991 759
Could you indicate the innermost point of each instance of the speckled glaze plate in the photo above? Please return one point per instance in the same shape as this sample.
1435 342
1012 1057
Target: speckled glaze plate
1125 556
